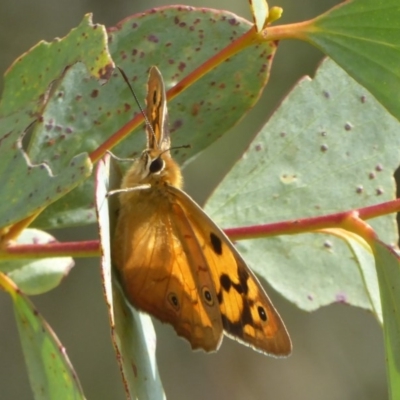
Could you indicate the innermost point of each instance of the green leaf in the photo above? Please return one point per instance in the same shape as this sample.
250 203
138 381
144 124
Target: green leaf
36 276
329 147
27 188
388 269
50 372
177 39
28 79
28 182
132 332
363 37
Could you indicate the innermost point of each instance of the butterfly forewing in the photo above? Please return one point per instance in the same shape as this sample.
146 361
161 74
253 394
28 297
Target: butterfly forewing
157 132
246 311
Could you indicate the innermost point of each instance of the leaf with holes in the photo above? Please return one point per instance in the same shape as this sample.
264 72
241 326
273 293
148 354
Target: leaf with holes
177 40
29 184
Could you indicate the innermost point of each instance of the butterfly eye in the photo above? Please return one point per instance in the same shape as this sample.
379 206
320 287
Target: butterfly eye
262 313
156 165
207 296
173 299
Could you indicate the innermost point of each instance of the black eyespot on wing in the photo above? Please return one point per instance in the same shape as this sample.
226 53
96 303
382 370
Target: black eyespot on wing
156 165
207 296
216 243
173 300
262 313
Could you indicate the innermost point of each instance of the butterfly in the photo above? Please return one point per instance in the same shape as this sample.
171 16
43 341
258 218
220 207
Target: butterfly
173 260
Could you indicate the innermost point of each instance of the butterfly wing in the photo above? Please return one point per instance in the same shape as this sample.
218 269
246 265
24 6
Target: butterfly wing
153 257
247 313
157 113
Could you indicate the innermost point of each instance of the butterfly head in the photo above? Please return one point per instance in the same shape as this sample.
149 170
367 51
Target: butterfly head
155 167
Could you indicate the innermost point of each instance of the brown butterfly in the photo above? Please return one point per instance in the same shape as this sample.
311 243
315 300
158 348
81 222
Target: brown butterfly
175 263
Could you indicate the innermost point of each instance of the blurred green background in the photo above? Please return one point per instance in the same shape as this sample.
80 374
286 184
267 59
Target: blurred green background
338 351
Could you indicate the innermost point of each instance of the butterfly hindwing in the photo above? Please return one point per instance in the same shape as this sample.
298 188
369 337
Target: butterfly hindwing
158 277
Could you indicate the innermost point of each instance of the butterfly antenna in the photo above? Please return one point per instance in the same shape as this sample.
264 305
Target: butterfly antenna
184 146
137 101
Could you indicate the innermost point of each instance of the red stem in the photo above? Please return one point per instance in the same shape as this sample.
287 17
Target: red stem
91 248
311 224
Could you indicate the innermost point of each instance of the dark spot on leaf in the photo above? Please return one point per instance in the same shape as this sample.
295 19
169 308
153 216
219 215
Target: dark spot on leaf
182 66
153 38
176 124
195 109
348 126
